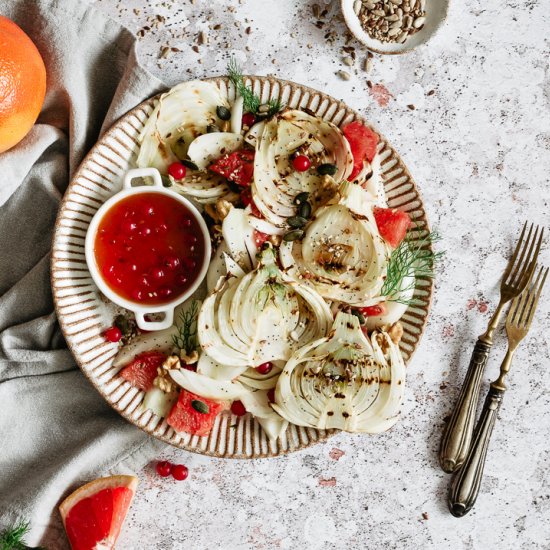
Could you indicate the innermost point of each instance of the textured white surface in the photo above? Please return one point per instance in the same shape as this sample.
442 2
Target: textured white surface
478 148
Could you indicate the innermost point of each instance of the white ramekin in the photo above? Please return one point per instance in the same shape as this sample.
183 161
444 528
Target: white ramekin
140 310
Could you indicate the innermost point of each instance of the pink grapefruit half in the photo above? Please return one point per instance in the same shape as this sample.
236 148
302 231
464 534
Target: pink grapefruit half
93 515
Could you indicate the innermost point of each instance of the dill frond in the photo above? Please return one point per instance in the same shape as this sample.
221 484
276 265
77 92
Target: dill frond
413 257
12 538
186 339
251 102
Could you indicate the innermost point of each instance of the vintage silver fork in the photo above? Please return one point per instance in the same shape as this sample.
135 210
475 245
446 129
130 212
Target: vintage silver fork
466 482
458 433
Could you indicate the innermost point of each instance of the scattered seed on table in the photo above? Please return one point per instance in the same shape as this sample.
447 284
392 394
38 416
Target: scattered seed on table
343 75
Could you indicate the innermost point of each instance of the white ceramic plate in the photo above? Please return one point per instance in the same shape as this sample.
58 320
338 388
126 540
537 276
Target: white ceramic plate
436 13
83 315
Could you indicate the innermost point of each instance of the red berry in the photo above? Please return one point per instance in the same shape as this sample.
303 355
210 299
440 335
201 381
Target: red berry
128 226
181 280
177 170
143 280
248 119
264 368
164 468
148 210
271 395
237 408
165 292
171 262
157 273
372 311
137 295
301 163
180 472
113 334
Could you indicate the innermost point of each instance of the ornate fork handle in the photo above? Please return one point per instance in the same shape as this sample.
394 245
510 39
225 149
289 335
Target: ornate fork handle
458 433
466 482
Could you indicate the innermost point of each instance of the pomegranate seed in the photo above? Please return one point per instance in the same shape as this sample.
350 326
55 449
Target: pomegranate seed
148 210
161 228
187 222
264 368
157 273
301 163
177 170
171 262
113 334
271 395
248 119
165 292
180 472
145 231
372 311
237 408
137 295
164 468
143 281
128 226
181 279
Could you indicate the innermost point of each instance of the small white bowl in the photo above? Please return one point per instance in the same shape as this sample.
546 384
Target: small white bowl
436 13
140 310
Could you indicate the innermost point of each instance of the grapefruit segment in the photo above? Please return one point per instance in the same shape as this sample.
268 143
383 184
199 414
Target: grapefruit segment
362 142
194 414
392 224
93 515
142 371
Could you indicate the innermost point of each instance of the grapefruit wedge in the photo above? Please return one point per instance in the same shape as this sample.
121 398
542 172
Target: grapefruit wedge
93 515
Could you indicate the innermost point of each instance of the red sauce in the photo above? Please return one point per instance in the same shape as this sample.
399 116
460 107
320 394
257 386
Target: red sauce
149 248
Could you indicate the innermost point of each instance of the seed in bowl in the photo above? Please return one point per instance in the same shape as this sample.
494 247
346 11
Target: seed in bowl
391 20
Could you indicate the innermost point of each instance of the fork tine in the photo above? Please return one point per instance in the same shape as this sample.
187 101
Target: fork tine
514 255
525 262
518 303
536 295
534 257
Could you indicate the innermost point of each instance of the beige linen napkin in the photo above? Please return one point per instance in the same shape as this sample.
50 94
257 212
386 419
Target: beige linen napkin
56 431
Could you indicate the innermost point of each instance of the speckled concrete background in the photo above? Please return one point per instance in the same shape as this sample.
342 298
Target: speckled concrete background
478 147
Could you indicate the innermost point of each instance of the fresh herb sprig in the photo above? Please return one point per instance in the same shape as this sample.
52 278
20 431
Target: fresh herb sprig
413 257
186 339
251 102
12 538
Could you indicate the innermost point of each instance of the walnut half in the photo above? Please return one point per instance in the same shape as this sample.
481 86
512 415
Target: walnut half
396 332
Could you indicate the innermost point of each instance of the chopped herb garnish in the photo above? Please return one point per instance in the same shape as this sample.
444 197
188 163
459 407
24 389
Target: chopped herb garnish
412 257
186 340
12 538
251 102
